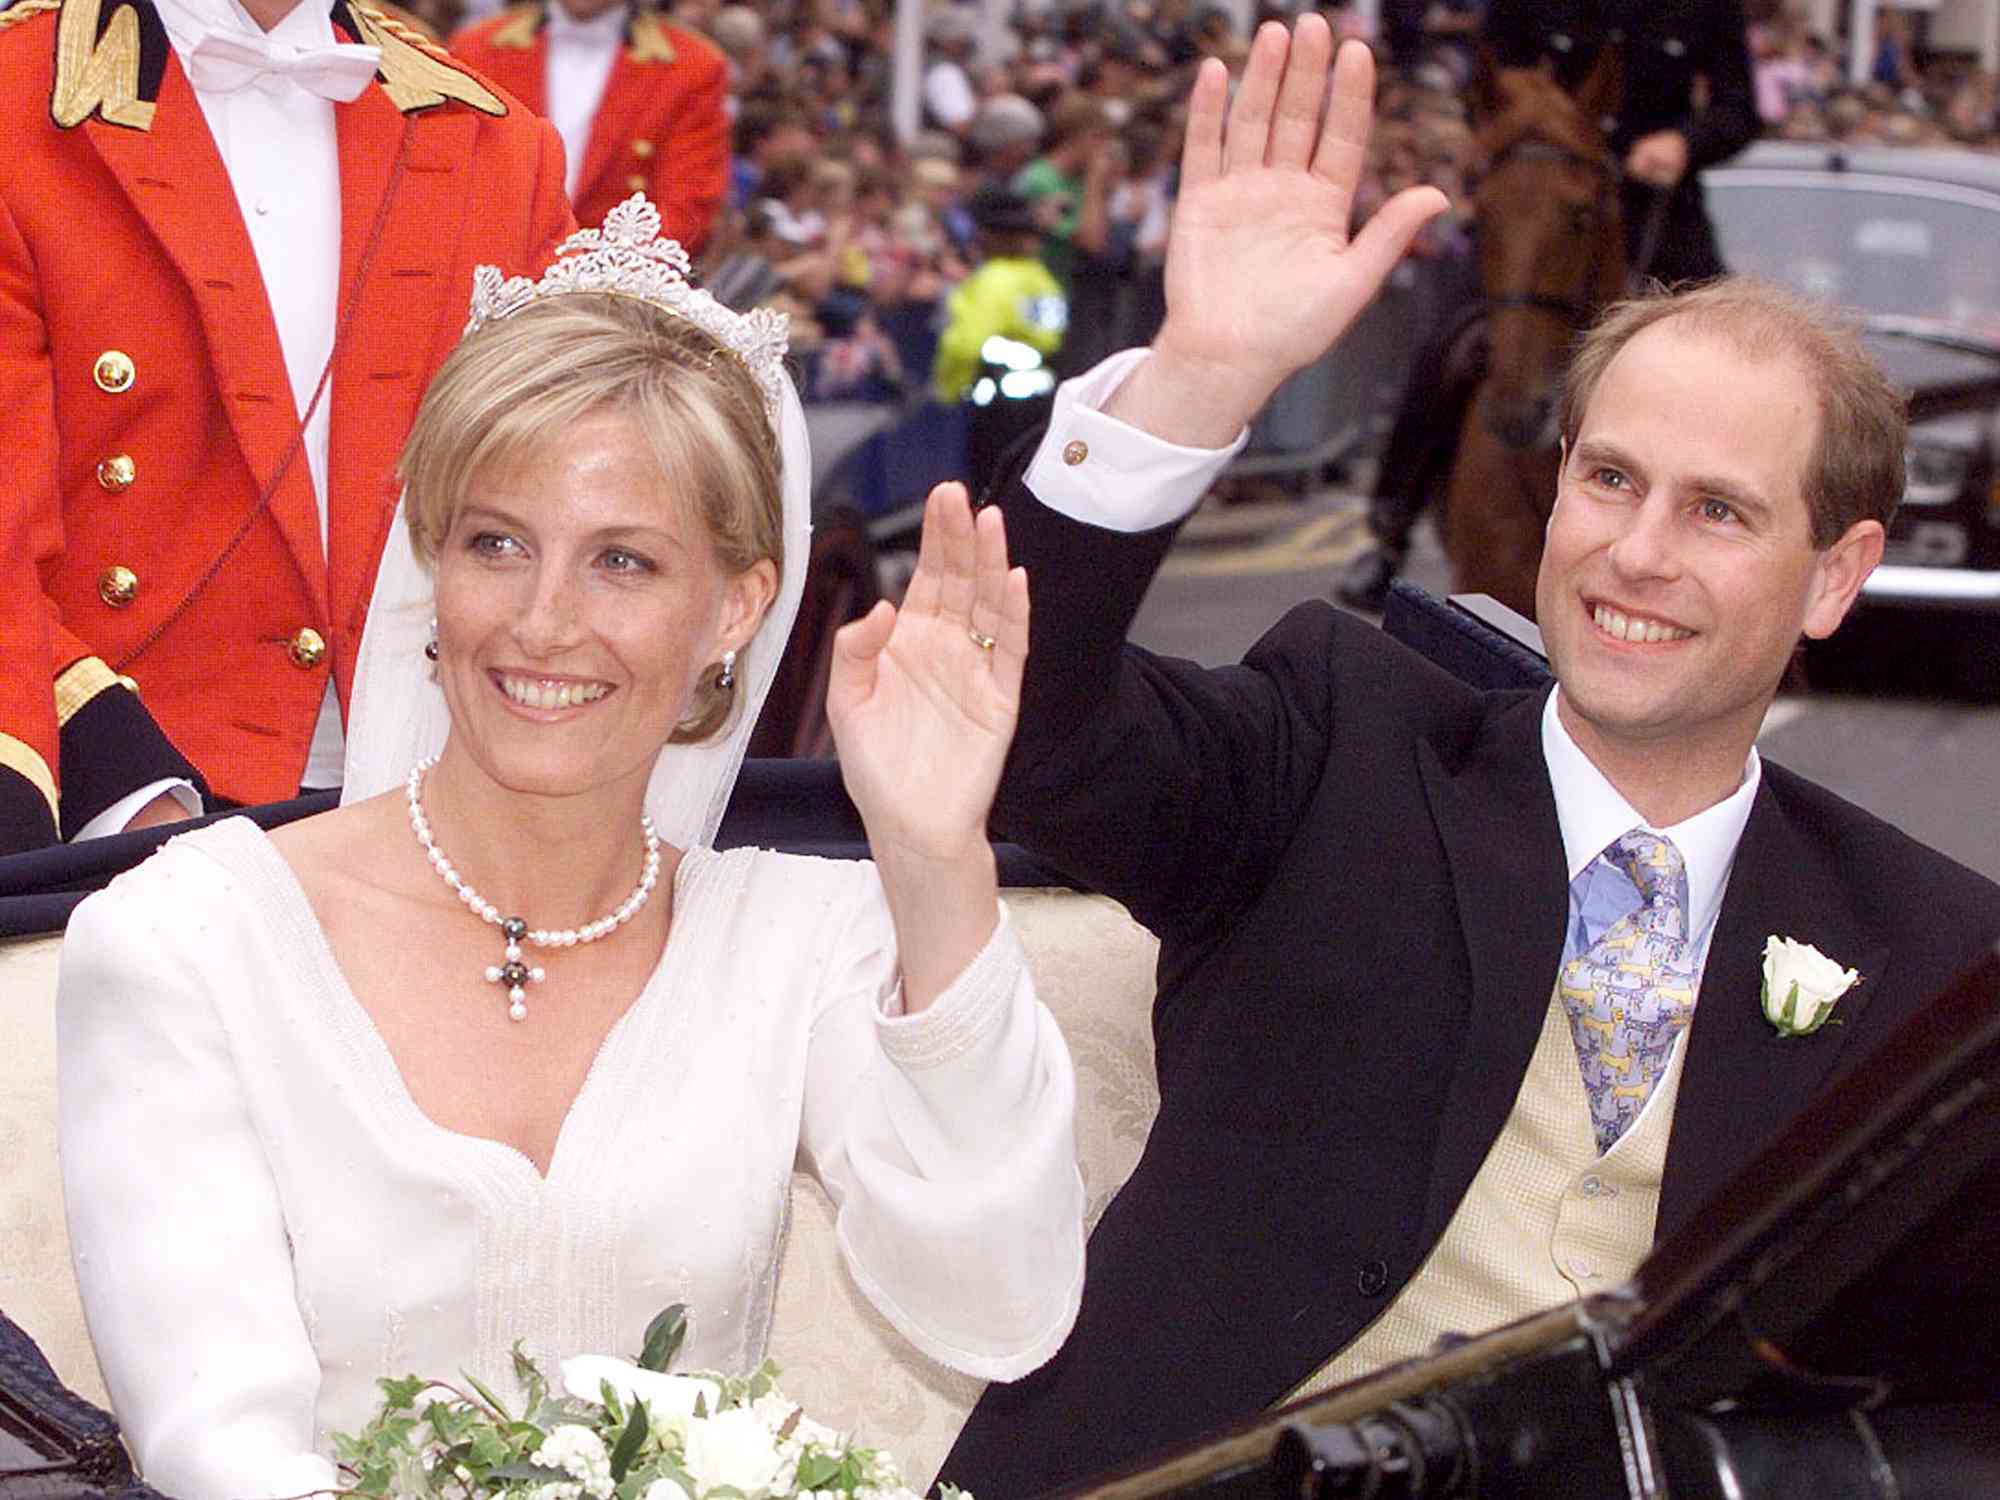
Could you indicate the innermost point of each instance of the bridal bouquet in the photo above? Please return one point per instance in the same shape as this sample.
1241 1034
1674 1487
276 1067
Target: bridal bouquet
614 1430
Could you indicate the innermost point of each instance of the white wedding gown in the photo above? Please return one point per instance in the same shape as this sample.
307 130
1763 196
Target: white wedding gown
264 1222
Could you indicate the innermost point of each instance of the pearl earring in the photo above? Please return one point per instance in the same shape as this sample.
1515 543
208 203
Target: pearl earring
726 679
431 646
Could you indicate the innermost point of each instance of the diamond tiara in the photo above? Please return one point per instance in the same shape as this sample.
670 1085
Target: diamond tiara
629 258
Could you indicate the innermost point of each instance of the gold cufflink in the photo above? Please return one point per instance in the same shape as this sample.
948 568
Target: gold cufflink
1075 452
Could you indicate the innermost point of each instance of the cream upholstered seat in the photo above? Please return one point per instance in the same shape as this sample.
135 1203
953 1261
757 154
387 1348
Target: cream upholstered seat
1094 968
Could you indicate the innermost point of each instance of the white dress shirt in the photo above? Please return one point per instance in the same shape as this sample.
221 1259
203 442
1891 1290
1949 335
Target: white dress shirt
581 56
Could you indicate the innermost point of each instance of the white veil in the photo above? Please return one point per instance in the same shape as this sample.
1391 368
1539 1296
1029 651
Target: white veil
396 714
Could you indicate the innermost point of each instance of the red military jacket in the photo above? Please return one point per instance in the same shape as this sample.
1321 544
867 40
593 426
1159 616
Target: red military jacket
662 128
158 529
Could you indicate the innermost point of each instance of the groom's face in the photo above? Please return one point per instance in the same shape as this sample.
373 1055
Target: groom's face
1679 571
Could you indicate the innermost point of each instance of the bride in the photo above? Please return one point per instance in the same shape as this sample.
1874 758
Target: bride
501 1049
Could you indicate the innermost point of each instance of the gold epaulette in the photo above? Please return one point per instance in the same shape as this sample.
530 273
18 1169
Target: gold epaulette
96 74
517 32
647 40
416 73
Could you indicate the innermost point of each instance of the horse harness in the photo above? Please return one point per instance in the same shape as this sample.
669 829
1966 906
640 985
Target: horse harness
1576 311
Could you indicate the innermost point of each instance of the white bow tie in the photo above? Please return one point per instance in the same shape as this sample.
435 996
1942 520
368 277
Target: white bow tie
223 62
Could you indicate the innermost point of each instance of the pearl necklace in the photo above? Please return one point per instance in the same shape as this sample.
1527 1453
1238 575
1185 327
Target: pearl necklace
515 974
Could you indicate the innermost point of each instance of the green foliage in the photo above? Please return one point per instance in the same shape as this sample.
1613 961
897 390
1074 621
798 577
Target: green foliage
435 1441
629 1441
664 1336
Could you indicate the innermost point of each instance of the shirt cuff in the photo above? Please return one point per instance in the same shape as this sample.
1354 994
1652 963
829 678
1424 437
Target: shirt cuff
1107 473
114 818
971 1007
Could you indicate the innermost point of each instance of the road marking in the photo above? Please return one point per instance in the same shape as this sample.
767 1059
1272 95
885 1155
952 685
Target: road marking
1313 545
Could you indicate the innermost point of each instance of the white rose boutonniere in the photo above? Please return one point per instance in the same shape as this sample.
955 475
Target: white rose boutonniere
1801 985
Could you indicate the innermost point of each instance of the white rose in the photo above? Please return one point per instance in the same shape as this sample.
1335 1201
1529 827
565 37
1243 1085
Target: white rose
670 1399
733 1448
665 1489
581 1454
1801 985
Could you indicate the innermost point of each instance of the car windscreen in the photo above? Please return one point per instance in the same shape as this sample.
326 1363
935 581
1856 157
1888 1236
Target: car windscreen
1882 245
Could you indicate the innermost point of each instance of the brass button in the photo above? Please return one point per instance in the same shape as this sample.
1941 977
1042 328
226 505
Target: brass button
642 149
114 371
117 472
636 183
117 587
1075 452
308 648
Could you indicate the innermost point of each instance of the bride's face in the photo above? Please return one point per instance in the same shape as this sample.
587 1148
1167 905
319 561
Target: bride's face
578 603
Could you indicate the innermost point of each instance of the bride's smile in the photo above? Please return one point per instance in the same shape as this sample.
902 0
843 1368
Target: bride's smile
547 694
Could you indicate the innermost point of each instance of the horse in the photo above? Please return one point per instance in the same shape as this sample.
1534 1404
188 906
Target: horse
1551 251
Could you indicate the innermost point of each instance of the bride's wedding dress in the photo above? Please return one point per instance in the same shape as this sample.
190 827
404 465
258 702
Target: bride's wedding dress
264 1222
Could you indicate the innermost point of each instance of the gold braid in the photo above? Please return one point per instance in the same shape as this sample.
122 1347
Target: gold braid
21 10
397 29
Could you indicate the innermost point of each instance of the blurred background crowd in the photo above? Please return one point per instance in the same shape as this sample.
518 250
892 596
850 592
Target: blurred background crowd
1033 203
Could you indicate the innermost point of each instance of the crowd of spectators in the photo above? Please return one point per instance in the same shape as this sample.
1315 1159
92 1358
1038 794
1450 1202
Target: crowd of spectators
1911 98
1072 115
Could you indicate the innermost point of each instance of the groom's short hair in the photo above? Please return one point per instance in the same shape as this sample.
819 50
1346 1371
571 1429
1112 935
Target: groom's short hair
1856 469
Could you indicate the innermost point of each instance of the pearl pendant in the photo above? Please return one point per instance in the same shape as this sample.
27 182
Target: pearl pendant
514 974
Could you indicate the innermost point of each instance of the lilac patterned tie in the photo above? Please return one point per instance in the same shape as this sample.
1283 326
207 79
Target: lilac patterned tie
1632 992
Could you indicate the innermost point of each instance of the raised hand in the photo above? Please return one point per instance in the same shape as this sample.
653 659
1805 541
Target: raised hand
1262 276
923 702
922 712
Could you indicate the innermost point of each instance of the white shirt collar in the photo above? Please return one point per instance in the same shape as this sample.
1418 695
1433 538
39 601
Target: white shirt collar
1592 812
308 24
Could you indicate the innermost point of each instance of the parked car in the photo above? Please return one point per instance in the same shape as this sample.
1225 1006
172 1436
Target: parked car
1910 241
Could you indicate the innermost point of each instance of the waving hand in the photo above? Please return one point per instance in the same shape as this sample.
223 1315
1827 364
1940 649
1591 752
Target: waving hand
1262 275
923 701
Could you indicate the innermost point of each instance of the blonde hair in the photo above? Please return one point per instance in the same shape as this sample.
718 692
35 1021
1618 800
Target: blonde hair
522 381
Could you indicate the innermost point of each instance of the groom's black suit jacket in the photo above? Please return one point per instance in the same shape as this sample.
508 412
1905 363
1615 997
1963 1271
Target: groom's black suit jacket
1353 864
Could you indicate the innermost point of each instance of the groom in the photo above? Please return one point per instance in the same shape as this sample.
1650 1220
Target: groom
1458 992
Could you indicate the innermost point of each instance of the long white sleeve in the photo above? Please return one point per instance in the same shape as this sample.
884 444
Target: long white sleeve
946 1140
180 1244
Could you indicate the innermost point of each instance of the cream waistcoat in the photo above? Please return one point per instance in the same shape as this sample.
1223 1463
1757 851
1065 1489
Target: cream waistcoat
1545 1221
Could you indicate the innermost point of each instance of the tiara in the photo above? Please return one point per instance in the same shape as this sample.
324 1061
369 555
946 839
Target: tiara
629 258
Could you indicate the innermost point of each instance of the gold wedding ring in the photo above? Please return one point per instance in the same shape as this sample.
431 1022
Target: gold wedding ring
983 642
